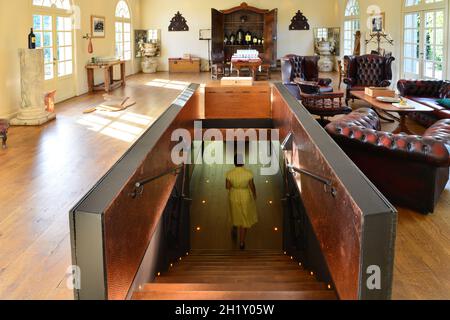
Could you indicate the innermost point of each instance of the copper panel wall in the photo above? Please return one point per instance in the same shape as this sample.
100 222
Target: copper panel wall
130 223
337 220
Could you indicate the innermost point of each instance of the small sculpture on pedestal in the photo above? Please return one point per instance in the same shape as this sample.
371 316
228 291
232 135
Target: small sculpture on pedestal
32 111
325 49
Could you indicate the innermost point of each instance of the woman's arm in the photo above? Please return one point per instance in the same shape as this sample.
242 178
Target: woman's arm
252 188
228 185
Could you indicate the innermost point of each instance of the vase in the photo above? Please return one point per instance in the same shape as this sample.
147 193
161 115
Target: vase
149 65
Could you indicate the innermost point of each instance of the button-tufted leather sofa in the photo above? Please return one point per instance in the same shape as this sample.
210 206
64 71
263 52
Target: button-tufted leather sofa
426 92
305 68
368 70
411 171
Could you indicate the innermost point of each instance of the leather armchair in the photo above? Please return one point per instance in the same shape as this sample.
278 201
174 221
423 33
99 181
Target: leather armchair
426 92
411 171
367 71
305 68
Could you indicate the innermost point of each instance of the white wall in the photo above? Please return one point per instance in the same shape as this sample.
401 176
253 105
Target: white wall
157 14
15 23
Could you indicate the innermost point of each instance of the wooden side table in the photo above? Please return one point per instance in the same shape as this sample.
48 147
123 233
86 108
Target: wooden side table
108 73
253 65
4 125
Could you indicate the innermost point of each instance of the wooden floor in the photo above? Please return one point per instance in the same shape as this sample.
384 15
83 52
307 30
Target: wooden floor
47 169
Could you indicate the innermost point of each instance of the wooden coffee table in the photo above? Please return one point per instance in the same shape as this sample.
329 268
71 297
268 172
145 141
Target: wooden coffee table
388 107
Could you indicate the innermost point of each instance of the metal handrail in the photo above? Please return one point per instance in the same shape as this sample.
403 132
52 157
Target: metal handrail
326 182
139 186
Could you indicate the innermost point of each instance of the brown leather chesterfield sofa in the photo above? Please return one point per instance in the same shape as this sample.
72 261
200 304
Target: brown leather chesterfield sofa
368 70
305 68
426 92
411 171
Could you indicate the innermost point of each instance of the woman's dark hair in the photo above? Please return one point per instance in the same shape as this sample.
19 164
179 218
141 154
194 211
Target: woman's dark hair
238 160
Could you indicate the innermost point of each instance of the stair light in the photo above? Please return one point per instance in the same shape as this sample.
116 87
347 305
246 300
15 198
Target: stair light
275 229
312 273
171 265
270 202
198 229
299 264
204 201
329 287
159 274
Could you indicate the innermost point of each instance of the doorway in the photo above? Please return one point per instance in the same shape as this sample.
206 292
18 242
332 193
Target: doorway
425 42
54 35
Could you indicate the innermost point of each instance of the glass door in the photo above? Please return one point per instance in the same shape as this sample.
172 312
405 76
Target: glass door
434 37
54 35
424 45
411 46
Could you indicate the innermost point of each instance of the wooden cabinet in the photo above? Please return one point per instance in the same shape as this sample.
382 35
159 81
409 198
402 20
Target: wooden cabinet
238 102
178 65
259 22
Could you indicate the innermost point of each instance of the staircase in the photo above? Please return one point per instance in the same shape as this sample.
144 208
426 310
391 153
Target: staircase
235 275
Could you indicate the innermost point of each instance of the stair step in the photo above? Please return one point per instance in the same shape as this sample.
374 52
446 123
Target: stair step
233 258
235 295
235 268
277 264
256 286
201 278
232 273
235 252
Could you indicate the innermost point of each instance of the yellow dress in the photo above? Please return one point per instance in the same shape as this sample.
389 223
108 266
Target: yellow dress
242 203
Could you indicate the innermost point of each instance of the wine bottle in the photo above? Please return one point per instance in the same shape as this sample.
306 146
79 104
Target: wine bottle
248 38
31 40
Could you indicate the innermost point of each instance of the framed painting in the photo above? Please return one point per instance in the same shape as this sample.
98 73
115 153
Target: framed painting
98 26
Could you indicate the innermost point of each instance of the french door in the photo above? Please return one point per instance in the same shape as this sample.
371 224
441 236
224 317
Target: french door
54 36
424 44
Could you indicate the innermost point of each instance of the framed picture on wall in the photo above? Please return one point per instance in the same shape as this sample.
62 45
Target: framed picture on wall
378 22
98 26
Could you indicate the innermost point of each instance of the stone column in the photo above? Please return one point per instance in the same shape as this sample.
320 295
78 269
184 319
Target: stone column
32 111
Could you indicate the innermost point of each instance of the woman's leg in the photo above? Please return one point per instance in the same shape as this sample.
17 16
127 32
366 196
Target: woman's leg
242 235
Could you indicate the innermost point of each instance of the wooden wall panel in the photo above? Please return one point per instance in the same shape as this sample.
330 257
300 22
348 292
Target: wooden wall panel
238 102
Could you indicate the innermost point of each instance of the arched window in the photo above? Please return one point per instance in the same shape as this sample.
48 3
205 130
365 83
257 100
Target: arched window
351 25
425 37
52 25
59 4
123 31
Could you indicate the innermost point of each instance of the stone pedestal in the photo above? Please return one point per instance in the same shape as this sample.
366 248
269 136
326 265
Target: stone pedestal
32 111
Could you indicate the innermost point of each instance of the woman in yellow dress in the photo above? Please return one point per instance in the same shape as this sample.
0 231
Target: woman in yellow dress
242 196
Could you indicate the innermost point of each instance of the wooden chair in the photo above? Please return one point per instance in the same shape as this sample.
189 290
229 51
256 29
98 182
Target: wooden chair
4 125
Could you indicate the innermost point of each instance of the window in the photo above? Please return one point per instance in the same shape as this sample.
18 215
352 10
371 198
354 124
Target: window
123 31
424 39
59 4
53 30
351 25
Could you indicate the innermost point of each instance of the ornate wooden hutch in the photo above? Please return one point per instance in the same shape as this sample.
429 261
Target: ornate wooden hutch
261 23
